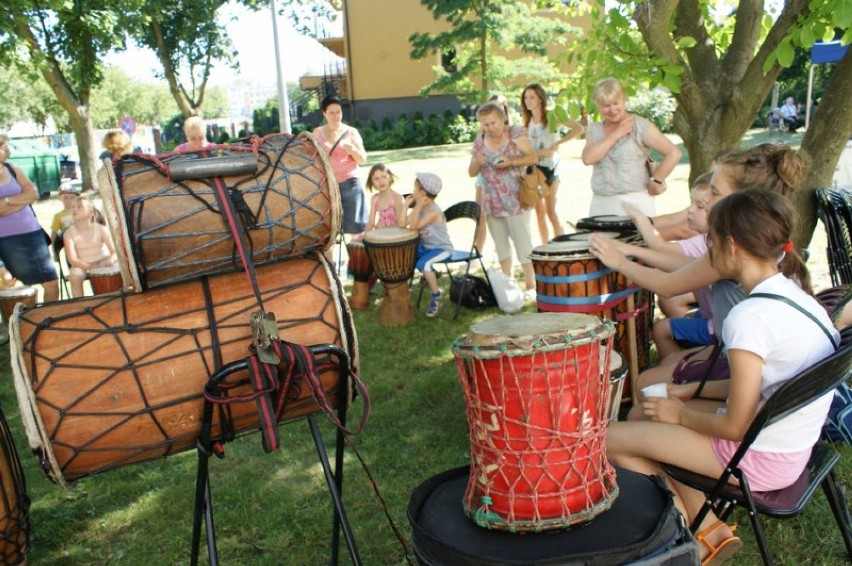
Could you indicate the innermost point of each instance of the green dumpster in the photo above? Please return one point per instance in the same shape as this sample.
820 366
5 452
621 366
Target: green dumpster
39 162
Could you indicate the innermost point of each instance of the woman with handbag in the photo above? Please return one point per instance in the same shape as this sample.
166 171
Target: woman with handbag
500 154
546 145
23 242
618 149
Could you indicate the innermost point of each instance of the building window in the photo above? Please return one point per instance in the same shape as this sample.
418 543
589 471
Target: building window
448 61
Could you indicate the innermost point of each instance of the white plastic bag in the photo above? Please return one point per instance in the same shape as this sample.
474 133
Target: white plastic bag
510 297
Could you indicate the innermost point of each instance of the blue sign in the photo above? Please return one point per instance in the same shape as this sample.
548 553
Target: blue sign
128 124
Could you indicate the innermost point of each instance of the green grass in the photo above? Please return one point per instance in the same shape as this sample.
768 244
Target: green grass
273 509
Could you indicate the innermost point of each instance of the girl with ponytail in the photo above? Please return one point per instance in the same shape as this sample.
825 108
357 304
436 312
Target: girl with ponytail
768 342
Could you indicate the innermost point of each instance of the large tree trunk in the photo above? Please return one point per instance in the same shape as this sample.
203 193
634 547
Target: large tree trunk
169 71
824 141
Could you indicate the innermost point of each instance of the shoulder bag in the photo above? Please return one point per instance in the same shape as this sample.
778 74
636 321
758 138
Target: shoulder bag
534 186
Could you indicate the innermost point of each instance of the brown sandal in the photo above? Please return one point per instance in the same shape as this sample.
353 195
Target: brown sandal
723 551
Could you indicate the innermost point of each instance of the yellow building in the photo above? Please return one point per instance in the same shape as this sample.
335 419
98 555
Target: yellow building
379 77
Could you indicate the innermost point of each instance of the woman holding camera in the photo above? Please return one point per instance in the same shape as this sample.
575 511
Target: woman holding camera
501 153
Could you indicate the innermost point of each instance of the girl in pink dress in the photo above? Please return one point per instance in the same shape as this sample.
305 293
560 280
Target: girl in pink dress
88 244
387 208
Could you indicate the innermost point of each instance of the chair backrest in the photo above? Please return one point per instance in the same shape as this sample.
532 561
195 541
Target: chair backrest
465 209
58 244
800 391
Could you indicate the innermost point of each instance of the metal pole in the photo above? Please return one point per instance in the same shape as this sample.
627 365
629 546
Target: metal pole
283 102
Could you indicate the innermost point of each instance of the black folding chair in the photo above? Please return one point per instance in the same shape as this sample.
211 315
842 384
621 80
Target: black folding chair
467 209
723 497
57 246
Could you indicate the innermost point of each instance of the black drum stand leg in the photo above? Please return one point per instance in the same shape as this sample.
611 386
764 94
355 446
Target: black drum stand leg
332 481
203 509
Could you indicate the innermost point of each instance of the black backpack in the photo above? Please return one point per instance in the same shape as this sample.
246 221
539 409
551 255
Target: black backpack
475 292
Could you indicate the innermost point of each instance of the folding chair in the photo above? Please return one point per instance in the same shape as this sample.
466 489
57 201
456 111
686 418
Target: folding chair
57 246
723 497
470 210
774 121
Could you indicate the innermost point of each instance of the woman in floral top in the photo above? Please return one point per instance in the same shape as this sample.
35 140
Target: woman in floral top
500 154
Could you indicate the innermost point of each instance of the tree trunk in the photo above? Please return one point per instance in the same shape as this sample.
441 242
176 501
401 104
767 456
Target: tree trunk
169 71
824 142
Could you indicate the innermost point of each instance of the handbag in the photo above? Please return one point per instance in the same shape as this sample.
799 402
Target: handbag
534 186
650 165
472 292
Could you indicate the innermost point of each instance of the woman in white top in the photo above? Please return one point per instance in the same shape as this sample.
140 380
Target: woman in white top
546 145
618 150
768 342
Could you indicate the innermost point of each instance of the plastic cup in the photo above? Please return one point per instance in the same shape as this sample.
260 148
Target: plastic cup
655 390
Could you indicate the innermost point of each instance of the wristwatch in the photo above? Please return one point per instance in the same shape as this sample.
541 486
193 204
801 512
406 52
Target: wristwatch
657 181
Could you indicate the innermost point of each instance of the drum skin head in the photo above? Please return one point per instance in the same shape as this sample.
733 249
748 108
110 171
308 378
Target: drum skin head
543 328
390 235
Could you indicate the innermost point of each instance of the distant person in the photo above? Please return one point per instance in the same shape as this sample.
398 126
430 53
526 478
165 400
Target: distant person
196 135
68 195
500 154
617 148
23 242
346 152
790 115
387 207
546 144
116 143
88 244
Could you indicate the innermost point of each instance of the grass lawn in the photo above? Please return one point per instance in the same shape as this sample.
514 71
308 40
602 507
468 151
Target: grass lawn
273 509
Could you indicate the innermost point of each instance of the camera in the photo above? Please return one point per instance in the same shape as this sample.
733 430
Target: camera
497 161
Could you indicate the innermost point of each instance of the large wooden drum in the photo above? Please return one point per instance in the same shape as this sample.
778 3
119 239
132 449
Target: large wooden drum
10 297
168 230
15 532
106 381
393 255
537 389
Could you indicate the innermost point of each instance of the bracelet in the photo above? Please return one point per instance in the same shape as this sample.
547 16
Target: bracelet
651 218
657 181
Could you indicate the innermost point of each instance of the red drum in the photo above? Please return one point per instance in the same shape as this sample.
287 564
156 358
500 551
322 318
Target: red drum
393 254
105 280
607 223
537 394
359 266
15 529
106 381
167 231
12 296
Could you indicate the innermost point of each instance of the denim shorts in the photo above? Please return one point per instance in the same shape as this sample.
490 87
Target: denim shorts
27 258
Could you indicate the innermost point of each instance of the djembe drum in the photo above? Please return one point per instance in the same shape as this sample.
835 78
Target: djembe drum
167 220
393 254
607 223
537 393
15 529
10 297
360 267
105 280
109 380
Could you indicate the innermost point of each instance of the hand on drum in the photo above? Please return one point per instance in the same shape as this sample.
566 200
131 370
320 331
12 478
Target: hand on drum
632 211
608 250
663 409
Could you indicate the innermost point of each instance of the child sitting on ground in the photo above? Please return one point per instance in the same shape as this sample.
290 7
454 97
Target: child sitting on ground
88 244
387 207
61 220
435 245
673 333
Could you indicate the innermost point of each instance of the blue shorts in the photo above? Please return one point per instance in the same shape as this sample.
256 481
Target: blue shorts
354 204
27 258
424 255
693 330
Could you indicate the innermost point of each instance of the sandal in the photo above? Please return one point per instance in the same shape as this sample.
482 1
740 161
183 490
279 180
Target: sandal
724 550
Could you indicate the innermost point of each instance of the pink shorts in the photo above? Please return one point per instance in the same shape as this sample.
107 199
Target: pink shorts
766 471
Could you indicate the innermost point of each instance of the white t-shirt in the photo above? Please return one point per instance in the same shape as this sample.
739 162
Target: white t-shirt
789 111
788 342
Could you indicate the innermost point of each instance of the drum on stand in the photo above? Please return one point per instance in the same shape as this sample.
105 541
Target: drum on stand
393 254
537 393
361 269
109 380
105 280
607 223
10 297
15 531
167 230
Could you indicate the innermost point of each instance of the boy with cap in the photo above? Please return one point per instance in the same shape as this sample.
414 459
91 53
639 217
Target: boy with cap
61 220
428 219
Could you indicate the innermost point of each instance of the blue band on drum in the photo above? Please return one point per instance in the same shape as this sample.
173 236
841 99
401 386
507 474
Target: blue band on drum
595 300
573 278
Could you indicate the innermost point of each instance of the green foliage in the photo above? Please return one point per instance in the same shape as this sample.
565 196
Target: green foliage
27 98
417 132
120 95
656 105
482 34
